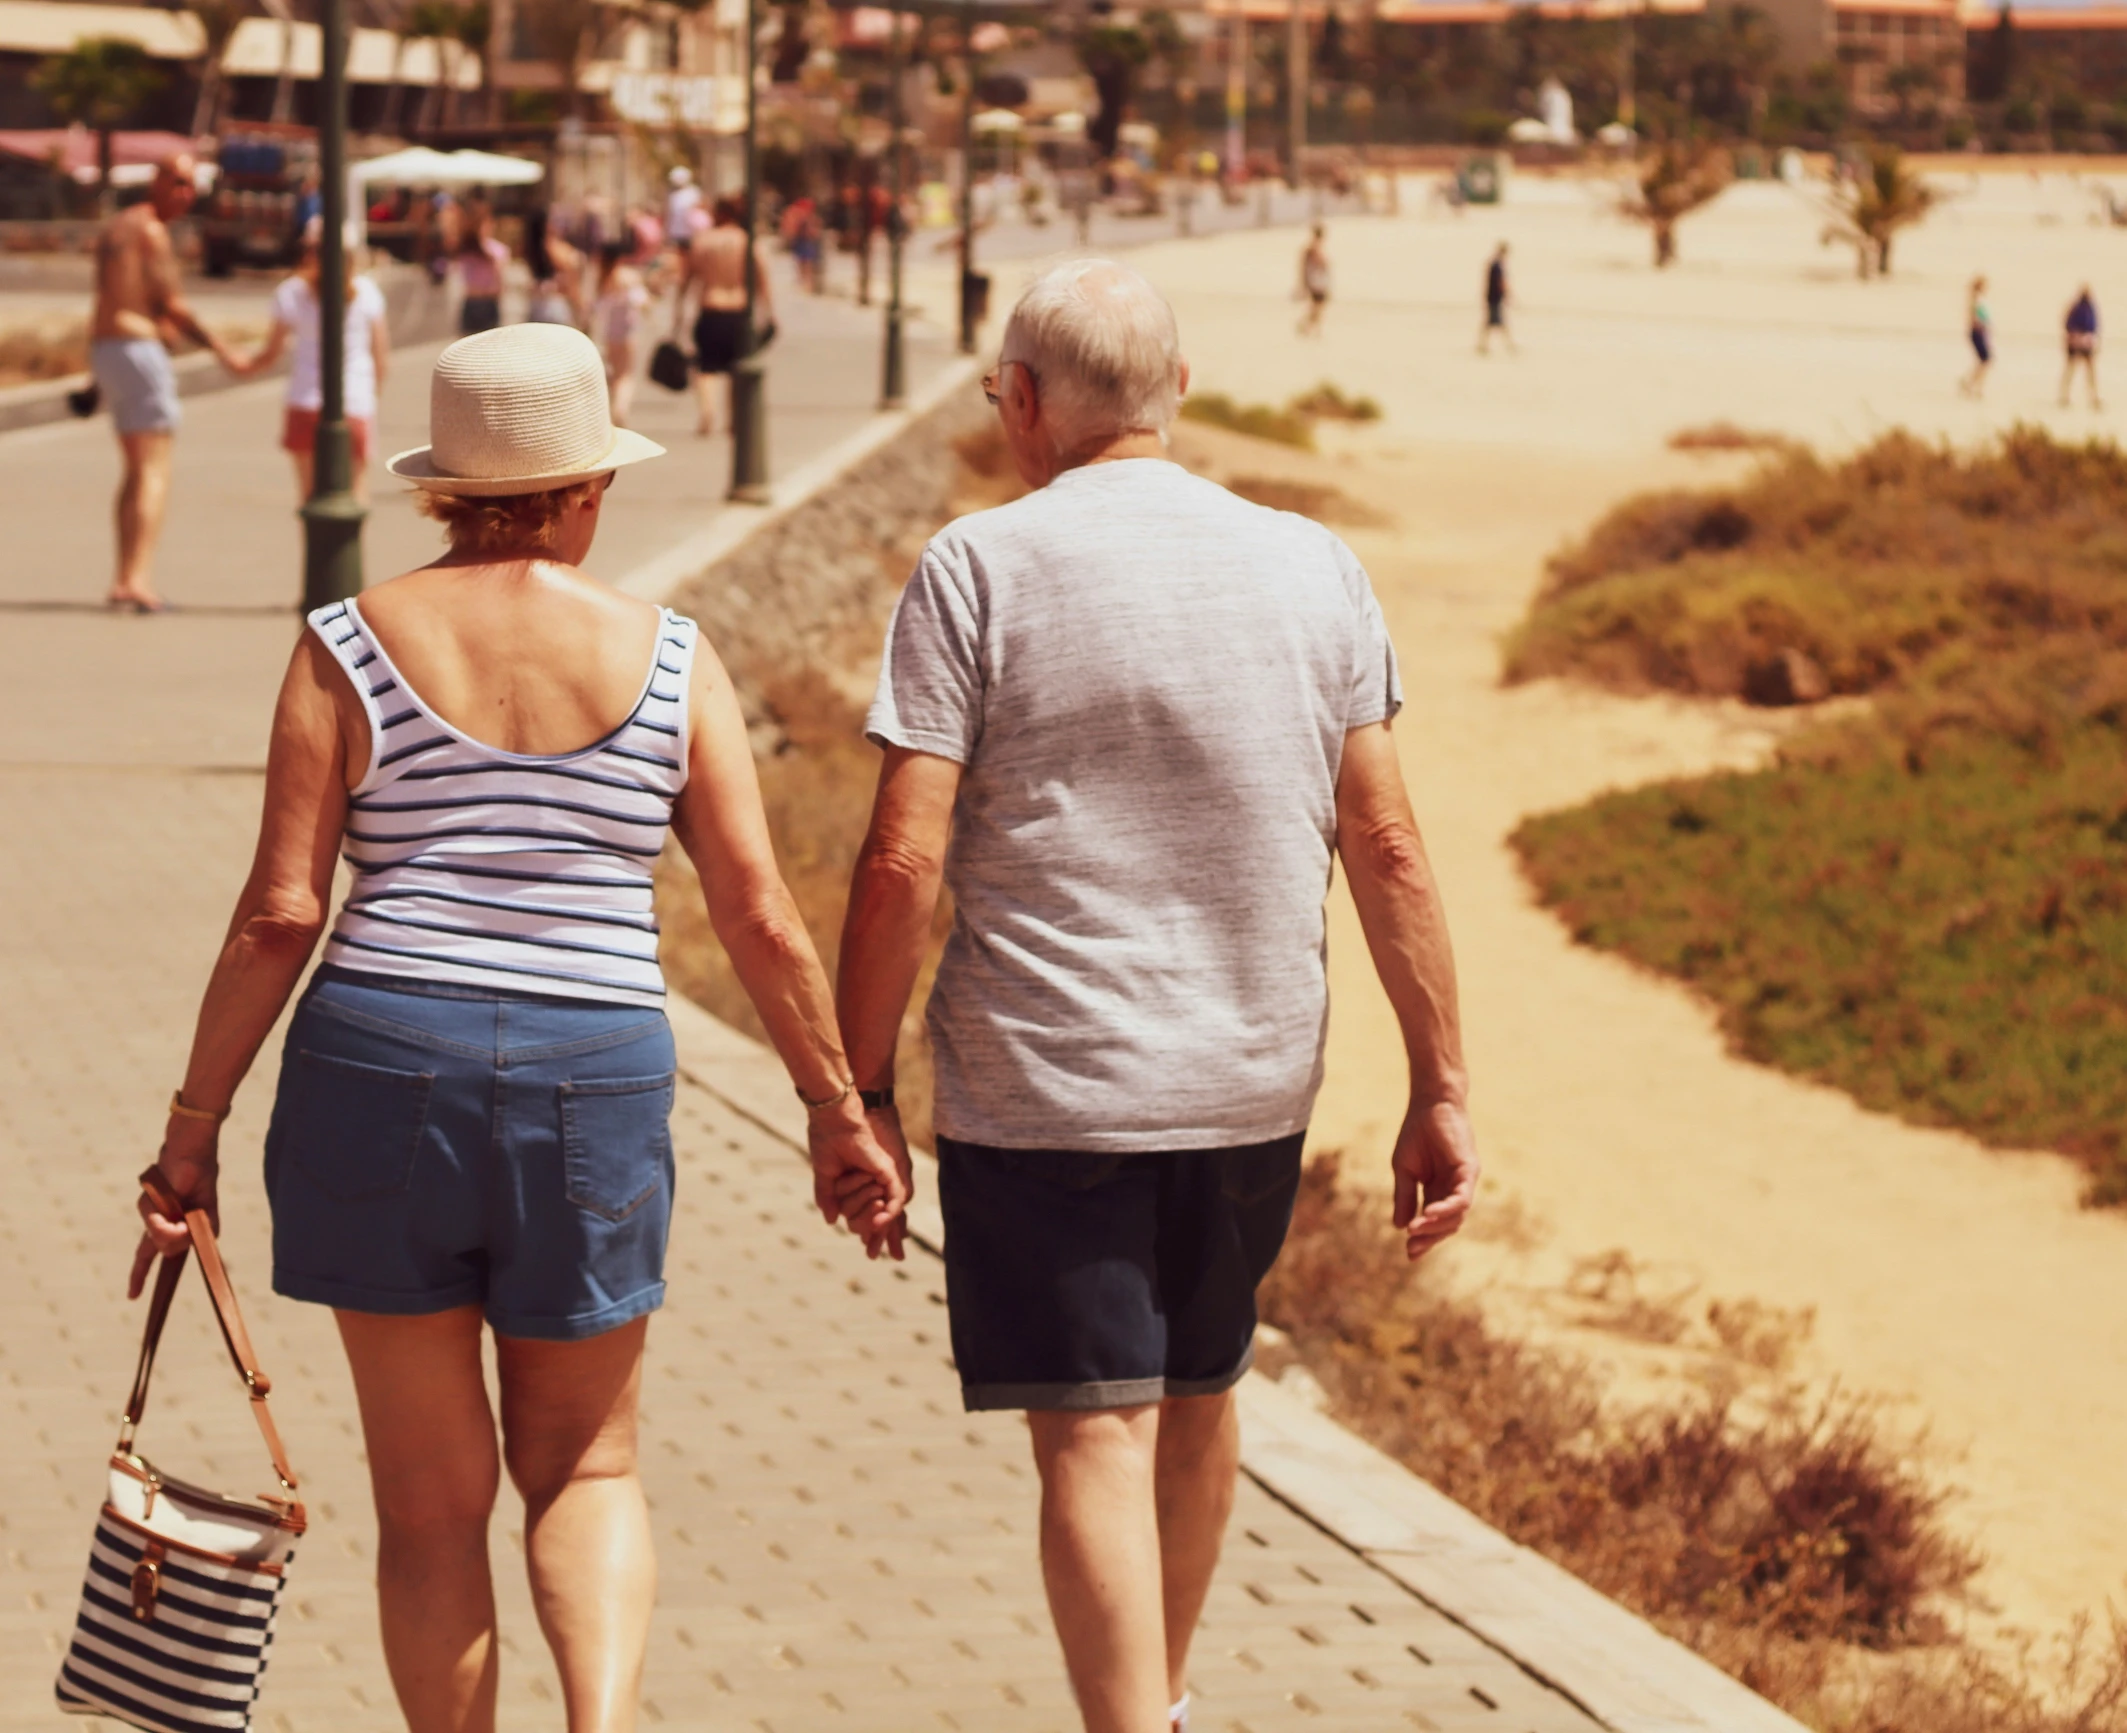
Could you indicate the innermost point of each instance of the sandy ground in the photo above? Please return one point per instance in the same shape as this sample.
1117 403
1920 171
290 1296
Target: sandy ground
1962 1287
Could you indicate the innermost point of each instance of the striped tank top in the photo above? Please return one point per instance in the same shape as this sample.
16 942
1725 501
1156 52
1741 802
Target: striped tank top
506 870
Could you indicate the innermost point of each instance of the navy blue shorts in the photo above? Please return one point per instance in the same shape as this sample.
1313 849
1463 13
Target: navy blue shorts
436 1146
1078 1281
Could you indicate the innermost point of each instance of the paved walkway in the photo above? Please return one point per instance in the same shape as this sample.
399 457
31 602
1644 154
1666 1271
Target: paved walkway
840 1545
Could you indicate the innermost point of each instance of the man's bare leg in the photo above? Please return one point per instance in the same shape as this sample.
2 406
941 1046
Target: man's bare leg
143 500
1100 1558
1195 1470
705 404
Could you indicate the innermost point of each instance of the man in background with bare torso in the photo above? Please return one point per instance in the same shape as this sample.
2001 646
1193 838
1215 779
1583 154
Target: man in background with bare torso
713 272
139 311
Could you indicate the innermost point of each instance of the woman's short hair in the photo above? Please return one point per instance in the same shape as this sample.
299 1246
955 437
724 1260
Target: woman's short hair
506 525
1101 342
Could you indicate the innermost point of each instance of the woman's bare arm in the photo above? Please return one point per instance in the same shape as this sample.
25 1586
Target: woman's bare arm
278 918
719 822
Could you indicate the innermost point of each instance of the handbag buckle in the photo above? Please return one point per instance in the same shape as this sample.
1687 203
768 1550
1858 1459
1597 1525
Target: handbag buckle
147 1580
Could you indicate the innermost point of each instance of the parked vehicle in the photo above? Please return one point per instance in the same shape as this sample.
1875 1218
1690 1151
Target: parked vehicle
253 216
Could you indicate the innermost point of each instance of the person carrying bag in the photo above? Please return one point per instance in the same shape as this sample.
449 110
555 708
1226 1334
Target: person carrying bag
183 1585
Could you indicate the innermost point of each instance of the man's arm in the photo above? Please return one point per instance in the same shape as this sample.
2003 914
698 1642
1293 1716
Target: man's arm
1406 931
171 308
892 896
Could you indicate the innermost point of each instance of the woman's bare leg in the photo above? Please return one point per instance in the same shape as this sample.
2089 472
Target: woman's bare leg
434 1472
568 1429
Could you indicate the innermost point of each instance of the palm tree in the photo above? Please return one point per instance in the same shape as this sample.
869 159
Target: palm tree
472 30
1681 176
1868 211
430 21
565 33
284 81
99 82
218 20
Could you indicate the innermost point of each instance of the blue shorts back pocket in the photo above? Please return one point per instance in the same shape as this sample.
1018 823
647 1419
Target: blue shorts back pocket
616 1142
353 1129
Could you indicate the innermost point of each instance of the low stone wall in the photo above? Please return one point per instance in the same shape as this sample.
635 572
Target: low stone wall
812 590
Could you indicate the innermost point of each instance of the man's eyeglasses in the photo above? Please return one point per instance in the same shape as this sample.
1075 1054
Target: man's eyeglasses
993 381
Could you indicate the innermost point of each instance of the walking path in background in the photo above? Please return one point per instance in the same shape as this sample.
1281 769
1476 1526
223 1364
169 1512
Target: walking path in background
840 1545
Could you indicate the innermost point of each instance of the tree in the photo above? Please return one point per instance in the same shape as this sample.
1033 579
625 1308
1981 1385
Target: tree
565 32
1676 180
1868 211
218 20
1113 55
1995 70
473 31
429 21
99 82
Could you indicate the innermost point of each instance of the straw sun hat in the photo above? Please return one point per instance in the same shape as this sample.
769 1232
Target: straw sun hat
519 409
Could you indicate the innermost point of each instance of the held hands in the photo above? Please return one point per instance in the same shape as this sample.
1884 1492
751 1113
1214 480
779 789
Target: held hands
191 1162
1435 1163
861 1174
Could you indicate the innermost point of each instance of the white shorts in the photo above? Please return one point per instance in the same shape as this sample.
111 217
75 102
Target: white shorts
138 383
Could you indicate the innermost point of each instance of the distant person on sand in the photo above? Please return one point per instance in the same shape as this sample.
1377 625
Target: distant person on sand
2081 342
1131 723
714 276
1979 325
1314 282
616 317
139 310
1496 295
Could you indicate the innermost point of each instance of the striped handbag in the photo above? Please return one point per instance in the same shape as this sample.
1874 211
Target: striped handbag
183 1584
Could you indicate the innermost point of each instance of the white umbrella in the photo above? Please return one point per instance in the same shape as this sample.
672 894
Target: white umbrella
422 167
997 120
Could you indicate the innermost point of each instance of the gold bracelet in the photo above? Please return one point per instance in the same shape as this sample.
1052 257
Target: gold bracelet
835 1100
179 1110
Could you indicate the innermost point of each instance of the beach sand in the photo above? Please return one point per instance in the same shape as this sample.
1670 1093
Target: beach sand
1962 1287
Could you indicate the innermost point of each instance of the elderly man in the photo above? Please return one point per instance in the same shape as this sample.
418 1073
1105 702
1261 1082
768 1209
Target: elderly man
1145 714
139 309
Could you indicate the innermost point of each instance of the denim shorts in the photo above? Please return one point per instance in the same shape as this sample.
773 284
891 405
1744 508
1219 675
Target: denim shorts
1076 1280
435 1146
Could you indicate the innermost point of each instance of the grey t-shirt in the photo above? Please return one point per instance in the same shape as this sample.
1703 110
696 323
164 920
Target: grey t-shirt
1149 681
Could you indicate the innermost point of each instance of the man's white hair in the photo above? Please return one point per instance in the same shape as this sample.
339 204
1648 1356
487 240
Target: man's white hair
1102 345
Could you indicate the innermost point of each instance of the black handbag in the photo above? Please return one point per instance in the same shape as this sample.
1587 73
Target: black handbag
668 366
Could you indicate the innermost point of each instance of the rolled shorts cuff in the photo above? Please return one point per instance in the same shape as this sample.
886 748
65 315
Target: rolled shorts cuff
1107 1393
581 1326
387 1302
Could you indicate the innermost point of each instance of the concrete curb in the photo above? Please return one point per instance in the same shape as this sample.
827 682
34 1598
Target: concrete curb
1609 1662
656 580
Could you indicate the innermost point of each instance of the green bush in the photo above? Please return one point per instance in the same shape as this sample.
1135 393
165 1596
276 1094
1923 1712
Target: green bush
1925 903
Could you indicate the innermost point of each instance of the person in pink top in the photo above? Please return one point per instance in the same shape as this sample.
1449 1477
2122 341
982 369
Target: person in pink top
478 265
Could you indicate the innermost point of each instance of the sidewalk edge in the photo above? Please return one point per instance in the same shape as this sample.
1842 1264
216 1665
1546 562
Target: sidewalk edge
1607 1661
657 579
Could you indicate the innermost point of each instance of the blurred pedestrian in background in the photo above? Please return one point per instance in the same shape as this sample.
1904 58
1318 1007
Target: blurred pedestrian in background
1497 294
557 269
2080 334
714 284
296 321
1979 329
480 265
1314 281
681 202
140 308
616 320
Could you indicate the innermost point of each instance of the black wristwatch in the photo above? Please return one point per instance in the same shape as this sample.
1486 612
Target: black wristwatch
876 1100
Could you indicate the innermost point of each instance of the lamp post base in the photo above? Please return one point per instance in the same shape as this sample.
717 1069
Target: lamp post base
893 373
749 431
332 523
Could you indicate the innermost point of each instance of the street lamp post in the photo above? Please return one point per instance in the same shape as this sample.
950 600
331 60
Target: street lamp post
332 516
893 381
749 374
967 180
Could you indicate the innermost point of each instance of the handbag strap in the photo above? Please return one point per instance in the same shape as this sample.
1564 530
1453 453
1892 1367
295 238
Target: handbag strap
238 1340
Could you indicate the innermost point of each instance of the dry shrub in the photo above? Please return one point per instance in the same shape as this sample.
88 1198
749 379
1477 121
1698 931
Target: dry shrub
1608 1285
51 352
1256 420
1727 436
1765 1336
1800 1551
1318 500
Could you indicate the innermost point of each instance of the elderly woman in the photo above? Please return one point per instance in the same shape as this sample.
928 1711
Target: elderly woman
471 1126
